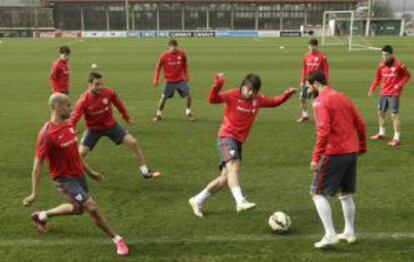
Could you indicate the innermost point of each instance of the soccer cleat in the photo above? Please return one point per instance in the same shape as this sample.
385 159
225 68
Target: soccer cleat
151 174
196 207
326 242
347 238
302 119
377 137
122 248
191 118
157 119
42 226
394 142
245 205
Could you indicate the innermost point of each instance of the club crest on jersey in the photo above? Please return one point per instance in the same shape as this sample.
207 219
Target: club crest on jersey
393 69
105 101
316 59
72 130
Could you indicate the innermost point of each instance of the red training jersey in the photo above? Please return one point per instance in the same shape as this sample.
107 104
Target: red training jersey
97 109
340 128
393 78
239 114
175 66
313 61
59 76
58 144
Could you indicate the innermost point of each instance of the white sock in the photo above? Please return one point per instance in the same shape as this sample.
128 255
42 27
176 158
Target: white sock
201 197
116 239
188 111
144 169
42 216
348 208
397 136
382 131
325 214
237 194
159 112
305 114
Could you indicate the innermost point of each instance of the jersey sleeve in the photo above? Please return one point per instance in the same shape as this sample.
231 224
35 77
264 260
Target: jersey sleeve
405 76
325 68
360 128
377 79
43 144
77 112
323 127
157 70
116 100
215 95
186 68
53 77
275 101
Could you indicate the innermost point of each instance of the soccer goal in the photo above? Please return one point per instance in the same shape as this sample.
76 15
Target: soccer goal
341 28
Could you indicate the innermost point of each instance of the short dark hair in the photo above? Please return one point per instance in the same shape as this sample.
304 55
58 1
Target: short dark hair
92 76
313 42
173 42
318 76
387 49
254 80
64 50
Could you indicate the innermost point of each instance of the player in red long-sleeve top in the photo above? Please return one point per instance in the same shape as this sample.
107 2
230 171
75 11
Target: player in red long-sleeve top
174 63
312 61
59 74
340 137
57 143
96 106
241 106
394 75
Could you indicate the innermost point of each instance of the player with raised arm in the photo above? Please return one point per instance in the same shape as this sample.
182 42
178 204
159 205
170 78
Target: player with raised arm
241 106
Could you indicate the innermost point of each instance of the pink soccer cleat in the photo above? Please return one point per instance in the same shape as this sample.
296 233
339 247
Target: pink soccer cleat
122 248
394 142
377 137
42 226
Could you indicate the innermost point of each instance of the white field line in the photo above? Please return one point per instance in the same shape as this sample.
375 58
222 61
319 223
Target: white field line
195 239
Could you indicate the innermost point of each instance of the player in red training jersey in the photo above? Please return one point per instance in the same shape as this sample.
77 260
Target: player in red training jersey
57 143
95 104
175 66
394 75
312 61
59 74
340 138
241 106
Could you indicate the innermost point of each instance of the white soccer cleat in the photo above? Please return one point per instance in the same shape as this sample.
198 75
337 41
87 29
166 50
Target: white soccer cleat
350 239
196 207
326 242
245 205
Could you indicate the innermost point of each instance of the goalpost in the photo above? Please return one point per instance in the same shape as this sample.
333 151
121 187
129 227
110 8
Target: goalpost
341 28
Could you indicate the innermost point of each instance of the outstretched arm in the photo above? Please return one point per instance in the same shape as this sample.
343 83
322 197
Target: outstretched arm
215 95
157 71
36 172
277 100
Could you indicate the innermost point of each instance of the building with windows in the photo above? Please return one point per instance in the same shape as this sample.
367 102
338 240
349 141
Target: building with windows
191 15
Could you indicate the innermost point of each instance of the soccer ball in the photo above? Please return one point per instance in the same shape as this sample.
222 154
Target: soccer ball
94 66
279 222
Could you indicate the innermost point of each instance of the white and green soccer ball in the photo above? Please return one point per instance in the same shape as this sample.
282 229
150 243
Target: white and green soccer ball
279 222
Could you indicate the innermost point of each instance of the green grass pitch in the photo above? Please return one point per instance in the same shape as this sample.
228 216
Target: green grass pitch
154 216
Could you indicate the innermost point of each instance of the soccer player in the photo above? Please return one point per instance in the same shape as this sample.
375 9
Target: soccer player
241 107
312 61
340 137
57 143
59 74
394 75
175 65
96 106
